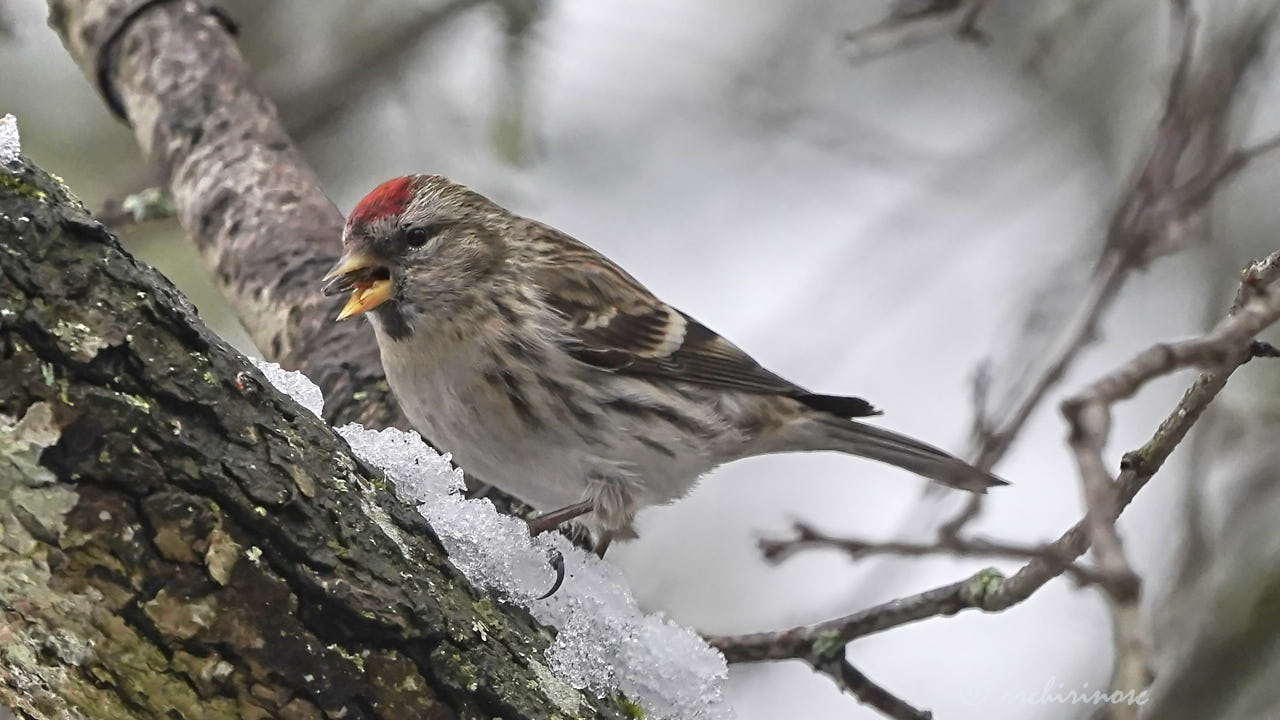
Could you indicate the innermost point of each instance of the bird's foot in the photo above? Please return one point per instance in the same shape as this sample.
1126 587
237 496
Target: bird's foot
555 518
557 564
550 521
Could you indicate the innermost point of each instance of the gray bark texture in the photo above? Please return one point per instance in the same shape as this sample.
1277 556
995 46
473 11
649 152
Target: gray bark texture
244 194
180 540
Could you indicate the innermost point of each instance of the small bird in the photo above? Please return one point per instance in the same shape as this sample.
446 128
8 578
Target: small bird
554 375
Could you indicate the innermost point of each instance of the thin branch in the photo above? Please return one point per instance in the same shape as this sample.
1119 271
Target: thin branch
6 22
988 590
1132 667
1145 225
1072 17
1230 344
851 680
811 640
809 538
1200 189
912 23
310 109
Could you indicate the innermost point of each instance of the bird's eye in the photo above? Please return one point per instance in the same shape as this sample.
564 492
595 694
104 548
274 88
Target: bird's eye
419 235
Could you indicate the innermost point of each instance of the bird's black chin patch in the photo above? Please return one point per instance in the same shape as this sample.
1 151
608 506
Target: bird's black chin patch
394 322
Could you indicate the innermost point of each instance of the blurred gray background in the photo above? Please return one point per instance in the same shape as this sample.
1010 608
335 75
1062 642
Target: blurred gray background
875 228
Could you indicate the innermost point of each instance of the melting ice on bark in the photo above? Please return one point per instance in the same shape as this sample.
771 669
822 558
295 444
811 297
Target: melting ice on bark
604 643
295 385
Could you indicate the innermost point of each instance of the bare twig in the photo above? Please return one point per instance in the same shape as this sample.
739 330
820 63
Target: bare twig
993 436
1070 17
1200 189
1132 667
6 22
1147 224
851 680
809 538
912 23
1231 344
813 640
307 111
988 590
512 136
985 590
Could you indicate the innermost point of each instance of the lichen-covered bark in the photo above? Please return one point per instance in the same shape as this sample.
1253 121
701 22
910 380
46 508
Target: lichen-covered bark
179 540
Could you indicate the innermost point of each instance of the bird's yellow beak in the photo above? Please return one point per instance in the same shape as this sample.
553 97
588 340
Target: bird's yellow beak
368 280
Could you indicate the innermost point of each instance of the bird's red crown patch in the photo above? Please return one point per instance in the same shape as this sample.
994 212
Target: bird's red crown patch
389 198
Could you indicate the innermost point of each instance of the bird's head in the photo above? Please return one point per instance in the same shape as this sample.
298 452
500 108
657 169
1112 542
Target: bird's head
416 245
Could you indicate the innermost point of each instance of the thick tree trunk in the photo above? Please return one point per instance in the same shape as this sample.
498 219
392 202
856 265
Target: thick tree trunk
179 540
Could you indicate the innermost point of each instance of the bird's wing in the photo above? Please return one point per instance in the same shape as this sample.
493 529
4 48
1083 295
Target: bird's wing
616 324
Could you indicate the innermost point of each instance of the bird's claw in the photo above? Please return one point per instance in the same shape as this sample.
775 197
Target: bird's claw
557 564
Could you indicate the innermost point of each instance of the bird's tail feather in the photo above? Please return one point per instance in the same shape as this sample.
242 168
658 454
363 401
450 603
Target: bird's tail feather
876 443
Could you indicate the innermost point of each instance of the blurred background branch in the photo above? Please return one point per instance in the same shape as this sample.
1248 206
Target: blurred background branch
1186 164
912 23
6 22
307 110
1223 351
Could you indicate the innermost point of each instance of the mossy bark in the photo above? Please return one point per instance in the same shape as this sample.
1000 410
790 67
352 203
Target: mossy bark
180 540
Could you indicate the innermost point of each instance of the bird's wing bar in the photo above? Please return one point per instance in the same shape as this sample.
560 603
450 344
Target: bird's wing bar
616 324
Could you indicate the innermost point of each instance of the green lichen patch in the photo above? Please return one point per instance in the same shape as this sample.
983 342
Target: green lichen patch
982 584
829 644
19 185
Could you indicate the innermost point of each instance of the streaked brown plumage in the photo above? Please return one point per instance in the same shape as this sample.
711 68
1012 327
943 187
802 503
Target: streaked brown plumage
552 373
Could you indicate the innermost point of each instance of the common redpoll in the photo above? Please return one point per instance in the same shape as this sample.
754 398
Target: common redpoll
552 374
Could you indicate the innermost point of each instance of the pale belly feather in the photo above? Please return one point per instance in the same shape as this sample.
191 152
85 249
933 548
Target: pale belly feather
597 438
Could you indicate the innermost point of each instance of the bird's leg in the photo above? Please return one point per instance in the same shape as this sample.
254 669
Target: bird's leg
602 543
555 518
552 520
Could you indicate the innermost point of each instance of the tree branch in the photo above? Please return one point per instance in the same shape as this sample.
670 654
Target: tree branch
912 23
851 680
988 590
181 540
809 538
308 109
243 192
1147 223
1088 413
